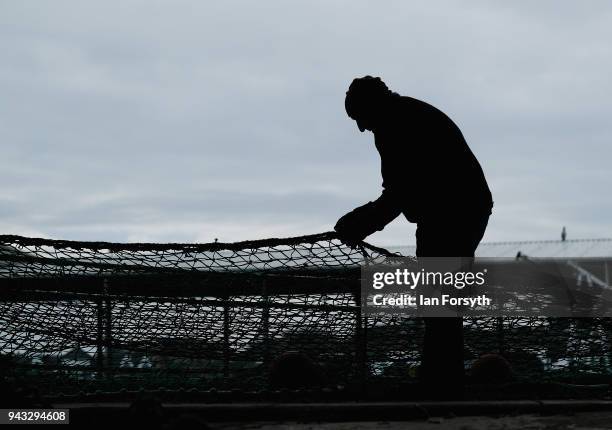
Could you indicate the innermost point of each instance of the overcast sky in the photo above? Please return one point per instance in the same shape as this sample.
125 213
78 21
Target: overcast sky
191 120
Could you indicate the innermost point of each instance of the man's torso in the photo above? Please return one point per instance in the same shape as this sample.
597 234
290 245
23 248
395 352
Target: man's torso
426 160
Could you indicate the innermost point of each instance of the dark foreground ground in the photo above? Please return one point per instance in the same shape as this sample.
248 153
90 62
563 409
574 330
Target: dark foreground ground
585 420
524 415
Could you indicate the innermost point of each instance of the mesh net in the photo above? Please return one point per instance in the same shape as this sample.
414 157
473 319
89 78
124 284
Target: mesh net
30 257
90 316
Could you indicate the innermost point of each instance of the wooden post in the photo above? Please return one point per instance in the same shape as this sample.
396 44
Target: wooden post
265 323
108 335
500 335
361 327
361 353
100 336
226 338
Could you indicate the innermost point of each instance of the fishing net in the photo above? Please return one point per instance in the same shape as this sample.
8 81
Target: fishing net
79 317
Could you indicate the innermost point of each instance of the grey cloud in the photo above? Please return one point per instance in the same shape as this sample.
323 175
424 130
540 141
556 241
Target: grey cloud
209 112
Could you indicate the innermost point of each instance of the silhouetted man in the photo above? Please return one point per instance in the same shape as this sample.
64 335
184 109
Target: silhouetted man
431 176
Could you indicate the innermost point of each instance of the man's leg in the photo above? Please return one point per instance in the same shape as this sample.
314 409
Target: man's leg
442 371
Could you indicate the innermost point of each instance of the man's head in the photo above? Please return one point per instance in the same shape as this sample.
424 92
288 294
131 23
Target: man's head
365 100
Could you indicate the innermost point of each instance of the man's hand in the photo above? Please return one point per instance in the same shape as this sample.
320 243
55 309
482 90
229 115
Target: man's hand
356 225
348 229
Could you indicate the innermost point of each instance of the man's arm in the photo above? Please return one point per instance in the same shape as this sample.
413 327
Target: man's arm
369 218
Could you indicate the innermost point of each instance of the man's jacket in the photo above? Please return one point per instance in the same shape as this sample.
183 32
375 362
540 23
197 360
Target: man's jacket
429 172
